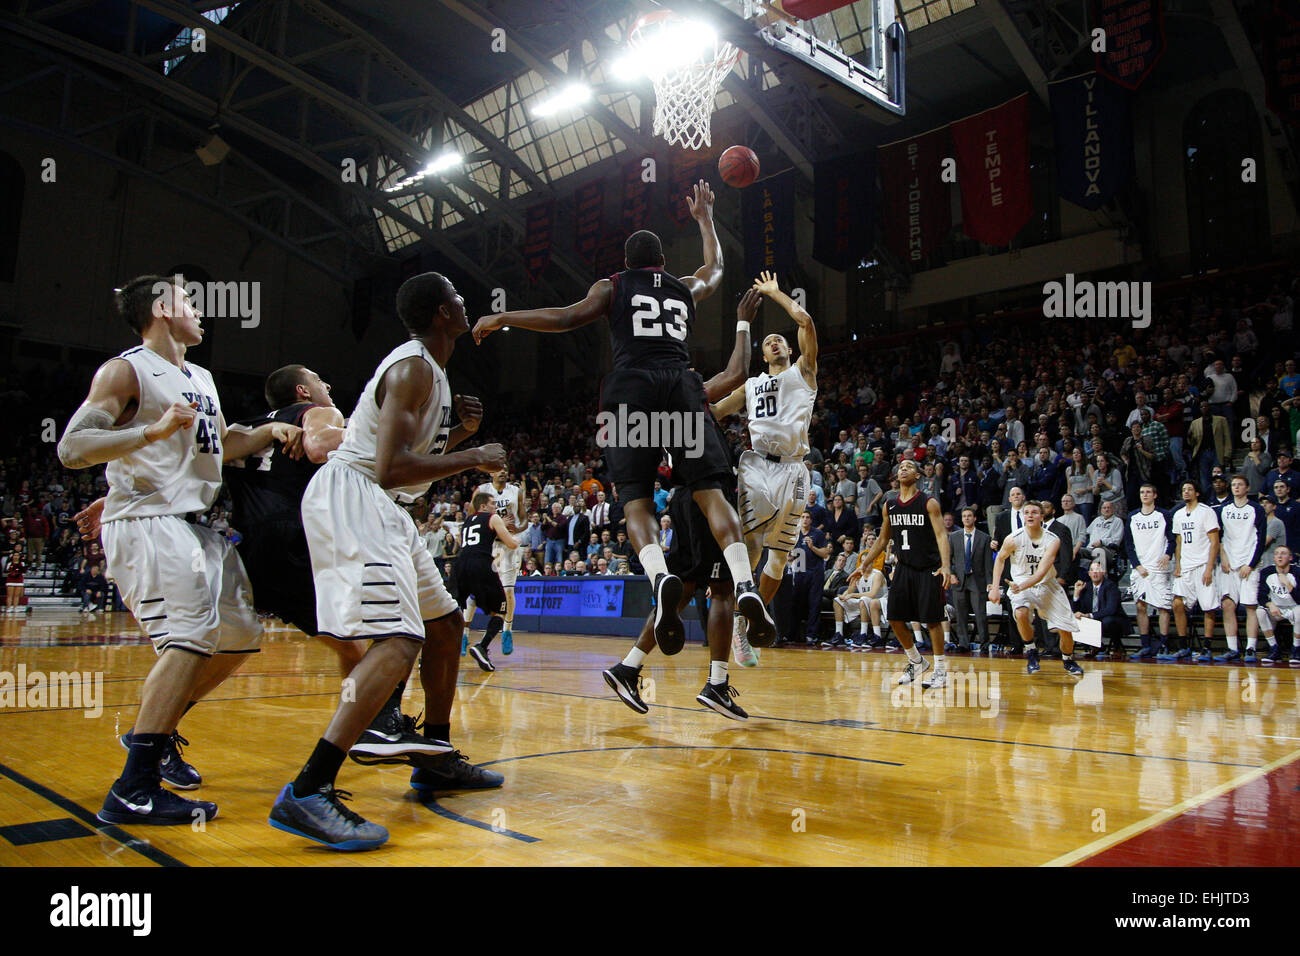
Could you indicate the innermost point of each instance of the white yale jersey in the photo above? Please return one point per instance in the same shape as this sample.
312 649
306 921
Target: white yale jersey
360 440
506 500
1028 556
779 408
1243 532
181 473
1193 531
1149 534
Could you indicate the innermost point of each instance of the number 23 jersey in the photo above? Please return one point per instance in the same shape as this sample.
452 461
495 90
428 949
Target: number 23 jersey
181 473
651 314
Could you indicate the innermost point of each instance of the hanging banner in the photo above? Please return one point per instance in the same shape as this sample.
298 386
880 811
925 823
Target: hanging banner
1135 38
767 214
609 255
588 218
1094 139
992 151
539 229
636 198
1281 61
684 176
842 198
916 214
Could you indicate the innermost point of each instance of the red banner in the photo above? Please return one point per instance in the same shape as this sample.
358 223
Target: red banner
540 227
916 214
636 198
588 218
609 255
1135 38
684 176
992 151
1281 62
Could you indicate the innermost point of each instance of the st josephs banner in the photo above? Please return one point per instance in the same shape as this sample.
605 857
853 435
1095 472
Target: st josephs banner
1094 139
916 216
1135 38
992 152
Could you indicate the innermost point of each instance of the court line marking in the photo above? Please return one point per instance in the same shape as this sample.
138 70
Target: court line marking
1160 816
768 750
432 803
143 847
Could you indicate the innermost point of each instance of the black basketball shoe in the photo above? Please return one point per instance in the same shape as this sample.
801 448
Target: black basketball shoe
175 771
392 738
719 698
626 682
762 630
670 632
452 771
152 805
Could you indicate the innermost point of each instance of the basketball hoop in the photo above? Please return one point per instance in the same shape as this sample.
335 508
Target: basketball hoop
687 63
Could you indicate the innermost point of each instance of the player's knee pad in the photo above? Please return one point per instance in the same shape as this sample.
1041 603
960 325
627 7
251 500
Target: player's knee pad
774 567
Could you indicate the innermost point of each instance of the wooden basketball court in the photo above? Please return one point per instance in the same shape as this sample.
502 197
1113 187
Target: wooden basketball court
1137 764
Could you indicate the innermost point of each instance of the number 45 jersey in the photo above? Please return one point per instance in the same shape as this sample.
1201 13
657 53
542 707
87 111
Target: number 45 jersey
651 314
779 408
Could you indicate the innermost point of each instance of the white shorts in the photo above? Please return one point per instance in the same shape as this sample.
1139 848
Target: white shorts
184 583
1154 590
374 576
1049 600
1266 622
773 496
851 605
507 562
1232 585
1189 587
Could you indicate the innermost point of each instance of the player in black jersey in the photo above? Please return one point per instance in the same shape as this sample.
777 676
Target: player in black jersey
475 576
915 524
650 388
697 560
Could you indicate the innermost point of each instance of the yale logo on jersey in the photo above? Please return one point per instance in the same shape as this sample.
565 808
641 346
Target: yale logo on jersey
206 406
1151 523
762 387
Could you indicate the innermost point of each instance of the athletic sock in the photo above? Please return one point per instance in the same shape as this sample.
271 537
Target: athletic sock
737 558
717 672
635 658
493 629
320 769
839 628
917 635
940 662
143 757
652 559
438 732
1232 642
1252 643
914 655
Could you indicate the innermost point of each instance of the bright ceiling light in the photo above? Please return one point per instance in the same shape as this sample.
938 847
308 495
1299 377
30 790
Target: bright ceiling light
571 96
442 163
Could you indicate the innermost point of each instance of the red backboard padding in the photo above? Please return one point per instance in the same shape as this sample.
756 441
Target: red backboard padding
807 9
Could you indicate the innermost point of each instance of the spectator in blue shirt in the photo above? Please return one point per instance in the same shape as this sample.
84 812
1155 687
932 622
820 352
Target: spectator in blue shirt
661 499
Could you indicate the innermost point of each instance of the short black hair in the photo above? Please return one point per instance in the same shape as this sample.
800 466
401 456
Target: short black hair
643 249
134 301
282 386
419 299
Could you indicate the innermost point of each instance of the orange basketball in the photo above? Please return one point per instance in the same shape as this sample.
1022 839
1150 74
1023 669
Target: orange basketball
738 166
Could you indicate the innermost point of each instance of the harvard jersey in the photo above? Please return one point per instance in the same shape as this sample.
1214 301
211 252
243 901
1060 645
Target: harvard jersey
1147 537
1029 554
269 484
651 314
506 501
779 408
1244 530
912 534
181 473
477 537
1193 533
432 430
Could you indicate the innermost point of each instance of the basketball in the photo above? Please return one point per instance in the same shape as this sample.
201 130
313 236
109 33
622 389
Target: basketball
738 166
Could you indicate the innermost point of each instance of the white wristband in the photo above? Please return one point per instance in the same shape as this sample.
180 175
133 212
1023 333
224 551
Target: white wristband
742 326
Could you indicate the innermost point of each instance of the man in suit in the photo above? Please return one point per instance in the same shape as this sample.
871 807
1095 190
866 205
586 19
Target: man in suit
971 566
1007 523
600 514
578 532
666 533
1098 598
1210 443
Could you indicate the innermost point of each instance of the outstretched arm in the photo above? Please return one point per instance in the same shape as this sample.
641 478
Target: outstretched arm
707 277
733 376
593 307
766 283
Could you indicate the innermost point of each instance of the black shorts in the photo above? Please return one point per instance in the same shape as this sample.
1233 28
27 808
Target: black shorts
633 462
278 563
475 578
695 555
915 595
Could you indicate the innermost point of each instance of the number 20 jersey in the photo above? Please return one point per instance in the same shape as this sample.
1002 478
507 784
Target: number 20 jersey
180 473
779 408
651 314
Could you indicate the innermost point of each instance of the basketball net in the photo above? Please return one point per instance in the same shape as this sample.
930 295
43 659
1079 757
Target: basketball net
684 95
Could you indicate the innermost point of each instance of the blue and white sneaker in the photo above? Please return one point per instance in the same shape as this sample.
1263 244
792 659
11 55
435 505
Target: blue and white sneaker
1295 653
175 771
507 642
1231 657
153 806
1275 656
1072 668
1184 655
322 817
1250 657
1205 657
1165 654
1031 660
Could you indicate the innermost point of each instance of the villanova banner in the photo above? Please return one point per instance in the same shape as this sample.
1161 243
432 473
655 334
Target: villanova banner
767 211
992 151
588 215
1281 61
917 214
539 226
842 194
1094 139
1135 38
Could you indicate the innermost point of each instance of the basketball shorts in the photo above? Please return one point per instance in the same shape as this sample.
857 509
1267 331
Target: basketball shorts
1238 589
851 605
278 563
1154 590
695 555
481 580
915 595
1268 625
374 576
184 583
657 412
506 562
1189 587
1049 600
773 496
